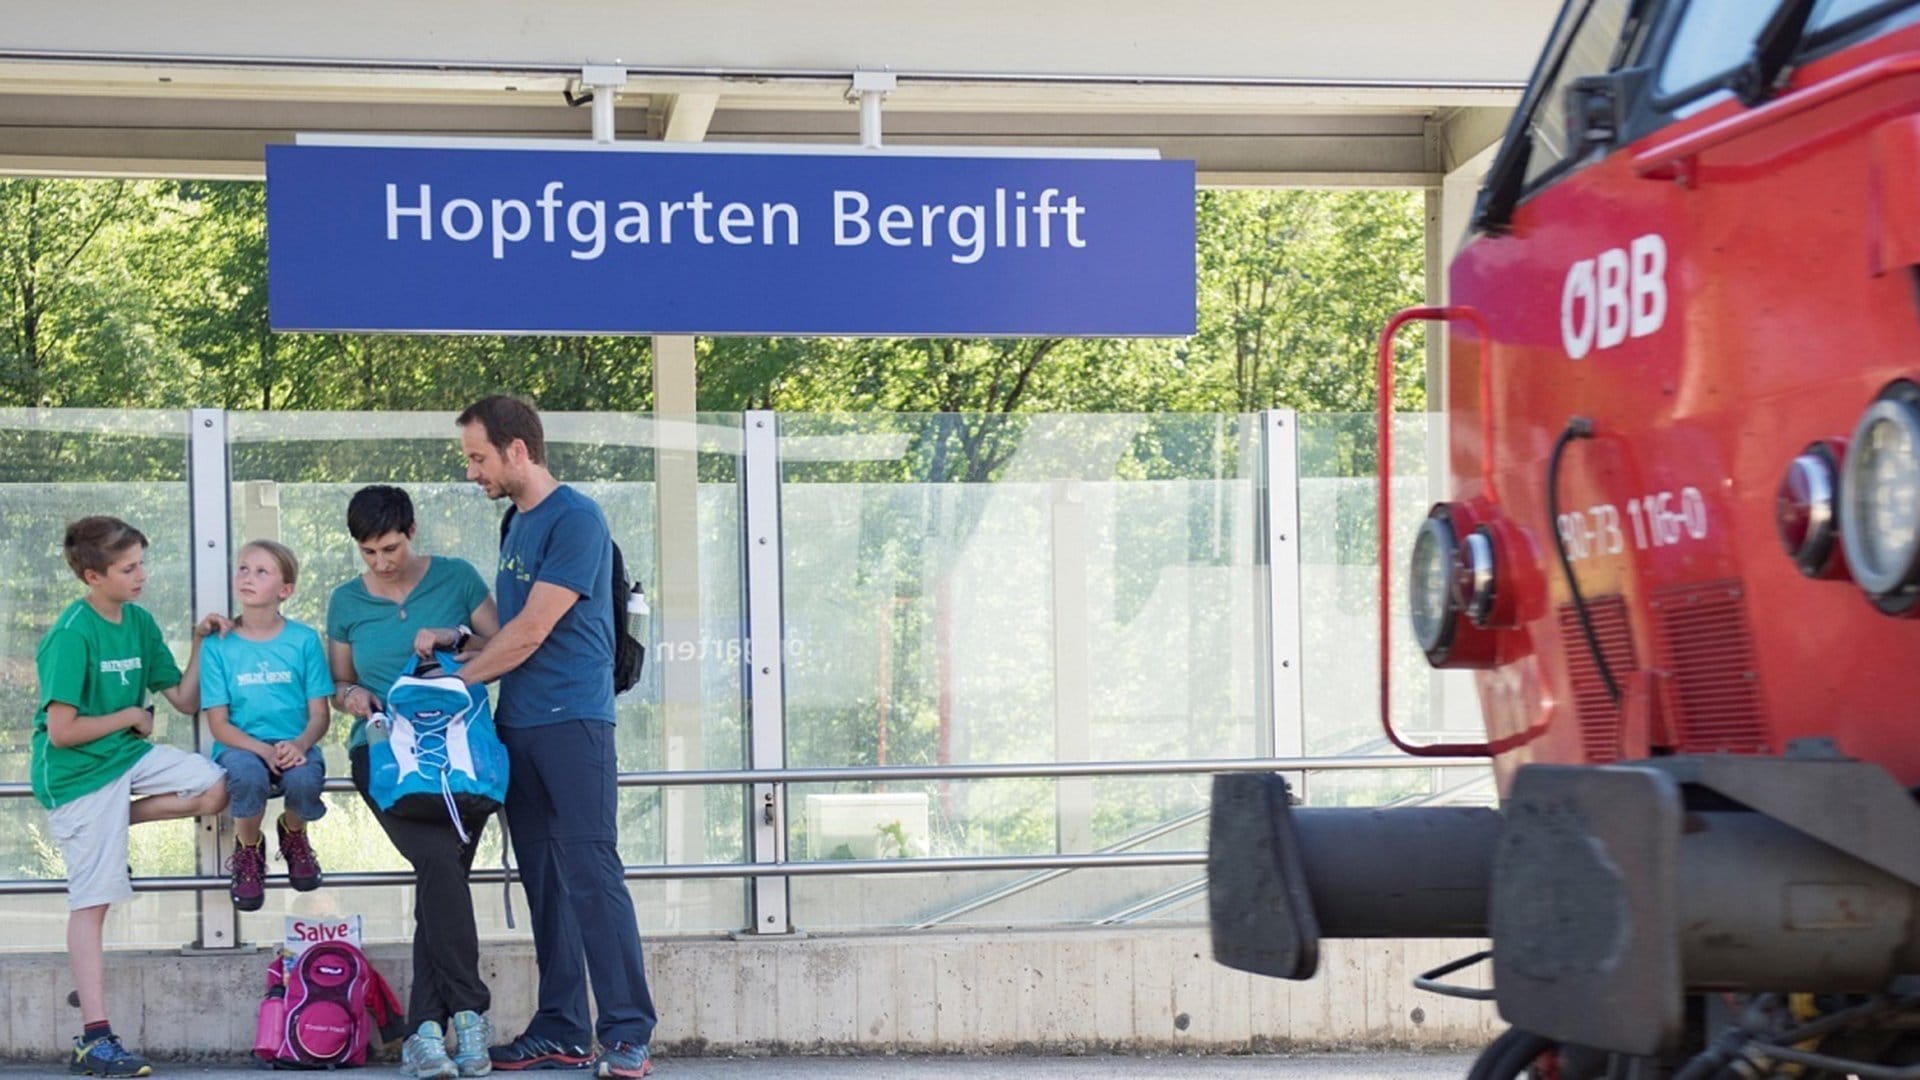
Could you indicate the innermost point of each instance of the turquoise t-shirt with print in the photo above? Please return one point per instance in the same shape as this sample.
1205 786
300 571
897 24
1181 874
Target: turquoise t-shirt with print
265 685
380 632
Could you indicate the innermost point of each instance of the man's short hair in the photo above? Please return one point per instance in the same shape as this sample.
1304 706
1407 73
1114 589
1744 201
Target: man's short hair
505 419
379 509
93 543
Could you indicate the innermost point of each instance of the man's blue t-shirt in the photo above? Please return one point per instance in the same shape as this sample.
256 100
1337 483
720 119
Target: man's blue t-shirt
563 540
265 684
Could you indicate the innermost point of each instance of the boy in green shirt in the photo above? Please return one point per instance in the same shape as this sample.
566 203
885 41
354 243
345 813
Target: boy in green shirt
91 757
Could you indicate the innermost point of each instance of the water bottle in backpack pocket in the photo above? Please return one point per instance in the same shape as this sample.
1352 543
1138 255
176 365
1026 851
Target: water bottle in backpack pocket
440 759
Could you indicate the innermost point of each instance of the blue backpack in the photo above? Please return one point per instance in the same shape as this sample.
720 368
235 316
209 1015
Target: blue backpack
433 754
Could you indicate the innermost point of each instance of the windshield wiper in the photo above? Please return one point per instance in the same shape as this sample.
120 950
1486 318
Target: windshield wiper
1765 71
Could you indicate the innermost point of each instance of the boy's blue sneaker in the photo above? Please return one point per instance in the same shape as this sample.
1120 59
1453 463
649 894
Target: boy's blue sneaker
629 1060
105 1056
530 1051
424 1055
471 1034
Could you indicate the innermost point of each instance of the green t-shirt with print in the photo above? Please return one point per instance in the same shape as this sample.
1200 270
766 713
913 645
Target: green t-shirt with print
98 667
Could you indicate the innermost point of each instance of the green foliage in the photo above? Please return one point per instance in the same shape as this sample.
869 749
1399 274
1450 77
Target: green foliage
153 294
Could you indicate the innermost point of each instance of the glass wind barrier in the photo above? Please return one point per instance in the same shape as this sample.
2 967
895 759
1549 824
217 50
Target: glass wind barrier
56 466
669 488
971 589
956 590
1340 606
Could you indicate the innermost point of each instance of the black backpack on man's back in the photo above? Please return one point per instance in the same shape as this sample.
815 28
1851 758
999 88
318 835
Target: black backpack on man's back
628 653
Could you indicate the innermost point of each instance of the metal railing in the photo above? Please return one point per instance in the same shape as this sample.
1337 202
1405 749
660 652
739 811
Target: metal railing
779 779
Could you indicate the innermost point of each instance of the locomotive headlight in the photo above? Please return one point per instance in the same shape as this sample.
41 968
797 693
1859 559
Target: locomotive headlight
1431 598
1474 580
1880 494
1804 510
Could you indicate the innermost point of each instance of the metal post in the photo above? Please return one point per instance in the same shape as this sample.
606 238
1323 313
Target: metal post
1280 533
766 655
683 118
605 81
1072 671
208 487
869 89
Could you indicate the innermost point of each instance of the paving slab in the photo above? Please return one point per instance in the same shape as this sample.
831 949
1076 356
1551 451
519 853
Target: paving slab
1357 1066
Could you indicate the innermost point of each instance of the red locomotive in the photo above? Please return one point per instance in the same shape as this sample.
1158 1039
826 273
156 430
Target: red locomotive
1683 558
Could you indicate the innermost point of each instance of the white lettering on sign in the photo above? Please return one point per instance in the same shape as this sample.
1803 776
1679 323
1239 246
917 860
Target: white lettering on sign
590 228
302 932
1616 295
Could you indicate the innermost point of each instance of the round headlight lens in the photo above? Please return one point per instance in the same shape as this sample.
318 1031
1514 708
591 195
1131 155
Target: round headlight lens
1430 597
1804 511
1880 503
1475 578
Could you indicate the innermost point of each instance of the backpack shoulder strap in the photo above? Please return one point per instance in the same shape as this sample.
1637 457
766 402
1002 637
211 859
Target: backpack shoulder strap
382 1005
506 521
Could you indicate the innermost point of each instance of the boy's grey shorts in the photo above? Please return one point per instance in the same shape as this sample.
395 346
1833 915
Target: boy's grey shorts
92 829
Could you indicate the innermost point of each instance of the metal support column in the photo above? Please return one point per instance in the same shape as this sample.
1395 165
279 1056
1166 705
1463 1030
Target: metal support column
677 601
1280 541
208 490
604 82
766 672
869 89
1072 670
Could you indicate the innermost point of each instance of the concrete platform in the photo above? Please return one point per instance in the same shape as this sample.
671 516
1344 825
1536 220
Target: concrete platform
1357 1066
1007 995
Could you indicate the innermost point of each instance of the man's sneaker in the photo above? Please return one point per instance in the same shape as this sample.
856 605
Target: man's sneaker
105 1056
248 864
530 1051
425 1054
303 868
623 1059
471 1034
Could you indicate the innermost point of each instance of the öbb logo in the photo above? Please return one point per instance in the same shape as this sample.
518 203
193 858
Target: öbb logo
1619 294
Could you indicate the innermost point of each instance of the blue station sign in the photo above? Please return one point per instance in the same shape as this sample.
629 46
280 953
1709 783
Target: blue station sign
595 239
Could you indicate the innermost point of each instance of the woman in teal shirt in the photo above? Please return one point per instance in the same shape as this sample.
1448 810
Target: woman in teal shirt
406 600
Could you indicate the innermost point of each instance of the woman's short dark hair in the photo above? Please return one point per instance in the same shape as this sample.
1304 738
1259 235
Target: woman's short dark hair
379 509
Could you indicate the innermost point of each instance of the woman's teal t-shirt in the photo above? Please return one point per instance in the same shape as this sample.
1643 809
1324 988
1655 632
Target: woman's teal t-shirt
380 632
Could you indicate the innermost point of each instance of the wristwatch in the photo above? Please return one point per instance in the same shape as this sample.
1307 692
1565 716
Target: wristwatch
462 634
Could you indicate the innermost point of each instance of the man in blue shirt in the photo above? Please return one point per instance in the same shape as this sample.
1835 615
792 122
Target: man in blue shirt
554 659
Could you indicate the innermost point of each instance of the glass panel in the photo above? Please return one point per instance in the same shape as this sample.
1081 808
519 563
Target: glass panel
1714 37
1831 13
1011 589
1589 52
56 466
293 474
1024 898
1339 600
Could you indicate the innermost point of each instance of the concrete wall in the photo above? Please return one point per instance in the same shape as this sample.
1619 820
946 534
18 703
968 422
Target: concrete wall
1061 991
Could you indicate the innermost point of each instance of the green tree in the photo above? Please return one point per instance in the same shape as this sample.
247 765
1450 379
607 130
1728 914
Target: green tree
74 316
121 293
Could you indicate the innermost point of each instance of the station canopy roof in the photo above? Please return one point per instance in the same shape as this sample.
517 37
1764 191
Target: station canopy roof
1291 92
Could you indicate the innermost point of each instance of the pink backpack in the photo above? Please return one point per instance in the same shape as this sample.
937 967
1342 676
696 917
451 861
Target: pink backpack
321 1009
